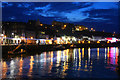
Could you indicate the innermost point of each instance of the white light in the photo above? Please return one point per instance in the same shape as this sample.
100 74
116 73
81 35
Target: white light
12 33
2 34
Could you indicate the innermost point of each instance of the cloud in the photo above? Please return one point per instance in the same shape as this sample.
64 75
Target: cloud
71 15
6 4
12 17
24 5
66 11
45 8
101 15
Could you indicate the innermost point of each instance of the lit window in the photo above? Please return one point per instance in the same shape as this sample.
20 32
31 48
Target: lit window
41 24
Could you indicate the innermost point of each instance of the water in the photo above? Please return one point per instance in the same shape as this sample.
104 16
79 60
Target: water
70 63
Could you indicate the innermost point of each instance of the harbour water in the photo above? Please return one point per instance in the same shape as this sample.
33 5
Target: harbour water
69 63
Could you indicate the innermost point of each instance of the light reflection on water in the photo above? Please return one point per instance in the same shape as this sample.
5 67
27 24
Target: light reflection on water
72 63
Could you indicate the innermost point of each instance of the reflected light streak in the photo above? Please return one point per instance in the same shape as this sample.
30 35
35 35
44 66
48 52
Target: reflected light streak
105 55
74 53
67 54
85 64
79 59
51 63
4 69
21 65
97 53
31 66
108 52
108 55
51 57
82 52
58 56
116 57
89 54
65 66
12 68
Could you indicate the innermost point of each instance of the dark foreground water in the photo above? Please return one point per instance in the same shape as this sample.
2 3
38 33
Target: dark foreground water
70 63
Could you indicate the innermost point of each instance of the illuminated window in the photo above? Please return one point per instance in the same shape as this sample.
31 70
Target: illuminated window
41 24
42 32
31 37
91 28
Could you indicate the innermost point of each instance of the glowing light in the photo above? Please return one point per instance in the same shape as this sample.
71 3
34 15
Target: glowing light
83 42
58 56
82 52
89 42
65 26
117 53
78 41
105 54
79 58
112 39
108 41
31 66
12 33
113 55
31 37
97 53
67 54
21 64
41 24
5 36
108 50
4 68
86 28
98 42
91 28
89 53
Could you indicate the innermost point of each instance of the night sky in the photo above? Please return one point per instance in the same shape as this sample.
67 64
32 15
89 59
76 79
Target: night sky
99 15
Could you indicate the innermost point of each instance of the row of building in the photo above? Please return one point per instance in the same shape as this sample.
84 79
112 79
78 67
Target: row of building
14 32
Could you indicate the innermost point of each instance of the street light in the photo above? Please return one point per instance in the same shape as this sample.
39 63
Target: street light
89 42
98 41
5 36
41 24
91 28
12 33
31 37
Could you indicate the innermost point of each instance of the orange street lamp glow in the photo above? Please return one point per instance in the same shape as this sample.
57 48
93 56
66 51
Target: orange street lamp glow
98 41
41 24
82 41
31 37
5 36
65 26
78 41
91 28
89 42
108 42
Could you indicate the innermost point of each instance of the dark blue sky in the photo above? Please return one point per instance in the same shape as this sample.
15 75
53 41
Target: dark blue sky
99 15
